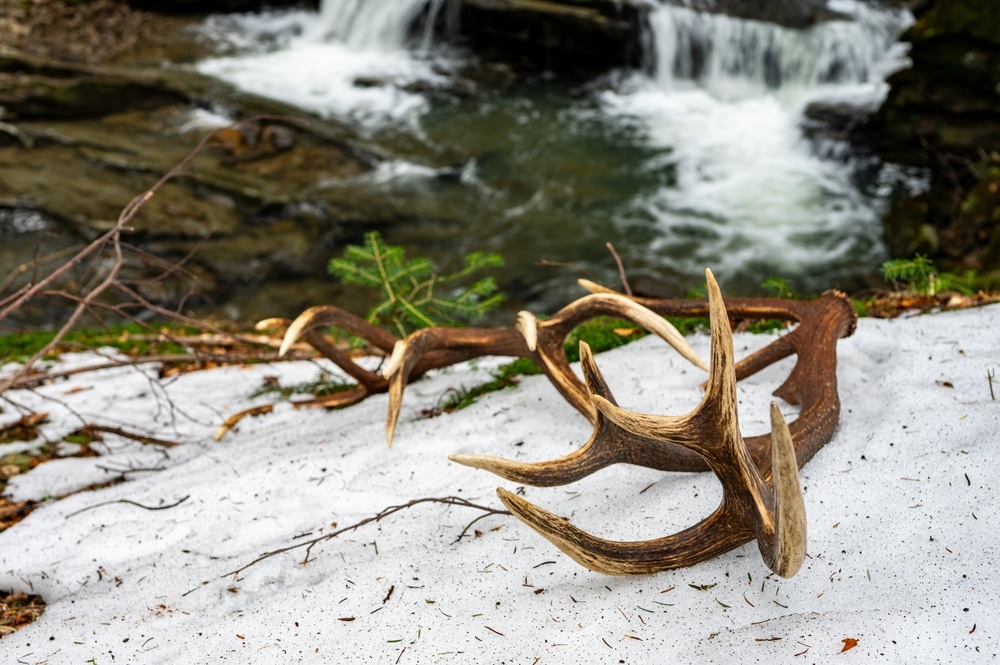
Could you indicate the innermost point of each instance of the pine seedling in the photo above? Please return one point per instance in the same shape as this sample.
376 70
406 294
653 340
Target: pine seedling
916 274
413 295
780 288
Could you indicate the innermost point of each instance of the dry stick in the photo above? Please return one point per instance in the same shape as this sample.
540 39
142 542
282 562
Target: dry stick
77 313
309 544
129 501
36 380
33 265
112 236
141 438
621 268
139 301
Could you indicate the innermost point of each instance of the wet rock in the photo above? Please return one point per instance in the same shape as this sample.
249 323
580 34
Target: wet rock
582 36
216 6
797 14
943 113
34 88
264 199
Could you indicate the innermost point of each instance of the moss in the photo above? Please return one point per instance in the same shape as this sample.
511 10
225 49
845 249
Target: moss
130 338
323 384
972 18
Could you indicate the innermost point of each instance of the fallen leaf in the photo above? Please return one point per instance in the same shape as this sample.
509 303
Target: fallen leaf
849 643
232 420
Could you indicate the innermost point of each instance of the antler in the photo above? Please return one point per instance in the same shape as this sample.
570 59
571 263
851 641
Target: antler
430 348
751 507
761 497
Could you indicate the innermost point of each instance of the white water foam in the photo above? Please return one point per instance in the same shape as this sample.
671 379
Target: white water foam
349 60
725 105
736 58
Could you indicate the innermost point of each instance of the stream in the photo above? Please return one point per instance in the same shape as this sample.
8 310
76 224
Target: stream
699 162
727 149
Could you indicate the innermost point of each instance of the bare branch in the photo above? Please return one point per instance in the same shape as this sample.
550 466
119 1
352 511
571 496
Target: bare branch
309 544
130 502
621 268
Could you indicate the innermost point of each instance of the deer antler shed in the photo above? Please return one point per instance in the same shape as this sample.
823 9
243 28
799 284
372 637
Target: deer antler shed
761 498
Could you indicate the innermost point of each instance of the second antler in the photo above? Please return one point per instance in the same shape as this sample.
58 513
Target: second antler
760 499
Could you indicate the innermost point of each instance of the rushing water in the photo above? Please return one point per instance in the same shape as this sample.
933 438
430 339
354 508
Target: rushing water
701 163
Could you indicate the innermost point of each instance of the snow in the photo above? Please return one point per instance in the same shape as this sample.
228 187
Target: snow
901 506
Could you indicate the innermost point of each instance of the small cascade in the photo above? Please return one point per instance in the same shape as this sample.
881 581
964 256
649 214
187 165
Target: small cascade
321 58
725 106
737 58
375 25
703 163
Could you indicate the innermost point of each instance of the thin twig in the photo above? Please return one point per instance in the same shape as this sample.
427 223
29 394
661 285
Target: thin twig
231 421
990 375
35 380
621 268
86 302
309 544
34 265
129 501
141 438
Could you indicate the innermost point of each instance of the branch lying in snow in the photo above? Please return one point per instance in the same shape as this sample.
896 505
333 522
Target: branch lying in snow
309 544
106 258
130 502
94 431
200 358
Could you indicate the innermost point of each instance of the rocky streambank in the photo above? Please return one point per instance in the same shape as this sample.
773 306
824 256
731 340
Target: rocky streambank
97 106
78 142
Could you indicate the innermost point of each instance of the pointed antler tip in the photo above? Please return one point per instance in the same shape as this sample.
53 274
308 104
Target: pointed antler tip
594 287
526 323
273 323
297 328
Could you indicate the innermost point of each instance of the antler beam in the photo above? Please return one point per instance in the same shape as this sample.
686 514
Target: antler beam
750 507
431 348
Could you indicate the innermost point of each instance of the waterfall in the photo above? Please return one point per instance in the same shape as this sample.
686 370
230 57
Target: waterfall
320 59
724 106
702 163
736 58
375 25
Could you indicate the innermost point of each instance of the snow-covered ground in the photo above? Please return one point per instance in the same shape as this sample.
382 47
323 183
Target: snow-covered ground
901 504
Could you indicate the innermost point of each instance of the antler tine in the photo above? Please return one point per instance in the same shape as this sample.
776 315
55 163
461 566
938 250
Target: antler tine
785 552
542 341
749 507
305 325
405 355
330 316
608 444
430 348
616 304
718 533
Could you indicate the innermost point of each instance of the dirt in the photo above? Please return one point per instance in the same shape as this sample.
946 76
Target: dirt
87 31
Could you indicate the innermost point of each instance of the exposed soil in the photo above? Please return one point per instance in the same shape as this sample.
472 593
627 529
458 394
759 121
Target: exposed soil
86 31
17 610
